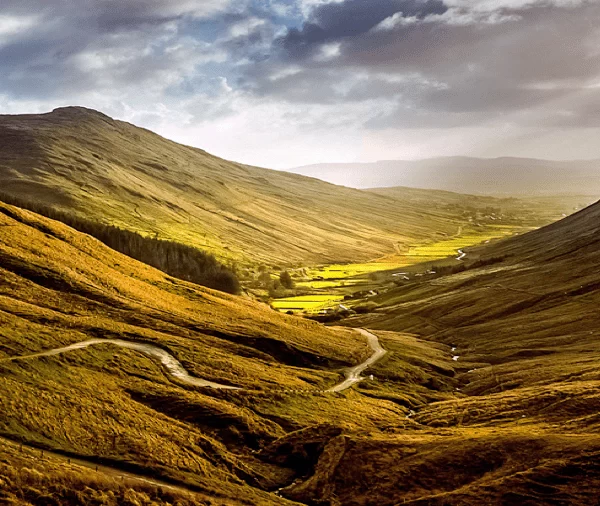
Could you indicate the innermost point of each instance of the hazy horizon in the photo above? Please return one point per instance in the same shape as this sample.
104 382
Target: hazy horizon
366 162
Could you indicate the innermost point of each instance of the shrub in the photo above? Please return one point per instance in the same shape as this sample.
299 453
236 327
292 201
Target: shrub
265 278
286 280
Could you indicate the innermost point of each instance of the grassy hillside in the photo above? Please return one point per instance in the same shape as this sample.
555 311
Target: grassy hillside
525 298
178 260
84 162
512 421
521 316
522 428
32 476
118 408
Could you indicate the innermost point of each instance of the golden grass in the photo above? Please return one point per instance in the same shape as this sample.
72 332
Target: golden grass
33 477
103 403
518 465
522 427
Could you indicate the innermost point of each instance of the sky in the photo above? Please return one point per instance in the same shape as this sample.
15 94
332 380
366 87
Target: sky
284 83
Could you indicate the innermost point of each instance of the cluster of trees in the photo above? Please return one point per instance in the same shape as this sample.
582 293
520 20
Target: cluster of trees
177 260
276 285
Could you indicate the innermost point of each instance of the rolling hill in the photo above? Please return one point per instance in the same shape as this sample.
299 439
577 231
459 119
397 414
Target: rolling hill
521 317
111 406
225 400
83 162
512 421
484 176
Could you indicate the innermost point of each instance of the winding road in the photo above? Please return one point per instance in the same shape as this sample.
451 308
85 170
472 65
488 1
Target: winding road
170 363
353 374
177 371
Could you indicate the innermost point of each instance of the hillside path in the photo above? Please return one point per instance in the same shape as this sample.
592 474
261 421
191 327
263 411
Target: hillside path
170 363
176 369
353 374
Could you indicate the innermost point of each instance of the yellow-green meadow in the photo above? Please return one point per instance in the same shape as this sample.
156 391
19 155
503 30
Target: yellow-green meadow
337 278
307 302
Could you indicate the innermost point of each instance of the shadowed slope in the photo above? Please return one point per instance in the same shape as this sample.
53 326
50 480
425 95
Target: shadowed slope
531 312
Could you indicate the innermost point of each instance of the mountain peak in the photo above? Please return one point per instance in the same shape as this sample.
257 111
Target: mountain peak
80 112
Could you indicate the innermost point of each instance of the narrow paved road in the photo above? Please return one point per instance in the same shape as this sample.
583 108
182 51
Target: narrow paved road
353 375
170 363
176 369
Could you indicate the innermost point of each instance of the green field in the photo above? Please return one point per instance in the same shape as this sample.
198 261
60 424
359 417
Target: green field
307 302
449 247
417 254
330 283
339 277
342 271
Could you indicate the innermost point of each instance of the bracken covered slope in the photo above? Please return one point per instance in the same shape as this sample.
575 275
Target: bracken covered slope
119 408
523 428
81 160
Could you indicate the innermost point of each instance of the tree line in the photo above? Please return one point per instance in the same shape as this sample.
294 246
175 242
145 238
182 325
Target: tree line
177 260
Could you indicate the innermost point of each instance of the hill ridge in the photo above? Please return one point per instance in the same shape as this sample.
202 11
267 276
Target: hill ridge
78 160
505 175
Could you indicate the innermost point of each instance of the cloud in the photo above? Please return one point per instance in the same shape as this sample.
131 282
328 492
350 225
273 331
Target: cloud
95 46
456 63
309 69
334 21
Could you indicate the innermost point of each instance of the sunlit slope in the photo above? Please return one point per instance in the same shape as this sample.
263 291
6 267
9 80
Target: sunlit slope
87 289
81 160
523 427
503 445
58 287
118 407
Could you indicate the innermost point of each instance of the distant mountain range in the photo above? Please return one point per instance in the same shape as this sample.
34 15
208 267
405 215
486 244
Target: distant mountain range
490 176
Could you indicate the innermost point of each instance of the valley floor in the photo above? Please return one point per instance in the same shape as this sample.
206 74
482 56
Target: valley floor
330 285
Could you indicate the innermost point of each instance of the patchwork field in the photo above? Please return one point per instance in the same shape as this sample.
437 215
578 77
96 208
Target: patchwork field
306 302
332 282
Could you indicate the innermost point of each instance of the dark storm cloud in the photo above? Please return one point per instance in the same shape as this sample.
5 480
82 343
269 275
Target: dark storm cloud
401 63
69 46
351 18
434 64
